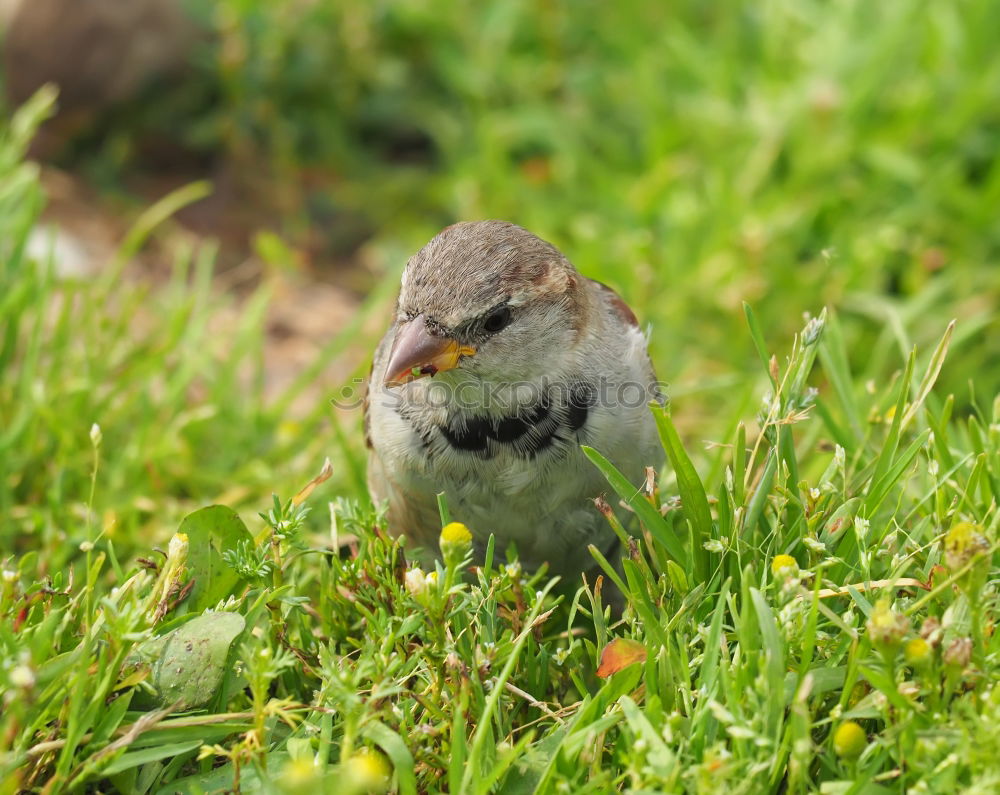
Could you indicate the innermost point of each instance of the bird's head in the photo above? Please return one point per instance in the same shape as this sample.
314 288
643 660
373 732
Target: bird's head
488 300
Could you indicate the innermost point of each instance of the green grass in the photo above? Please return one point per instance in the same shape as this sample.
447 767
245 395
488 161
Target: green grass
793 156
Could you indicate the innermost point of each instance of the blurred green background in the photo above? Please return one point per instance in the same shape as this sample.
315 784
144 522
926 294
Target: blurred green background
791 154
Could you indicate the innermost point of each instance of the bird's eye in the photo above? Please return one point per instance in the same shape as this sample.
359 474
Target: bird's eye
497 320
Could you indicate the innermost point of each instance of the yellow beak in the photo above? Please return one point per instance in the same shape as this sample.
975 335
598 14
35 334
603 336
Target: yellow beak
416 352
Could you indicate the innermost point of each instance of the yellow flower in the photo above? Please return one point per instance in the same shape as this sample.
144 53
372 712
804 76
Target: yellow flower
849 740
367 771
456 533
886 627
963 545
455 543
918 653
299 775
784 564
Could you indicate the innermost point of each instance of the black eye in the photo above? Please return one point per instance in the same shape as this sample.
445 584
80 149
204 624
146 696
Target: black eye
497 320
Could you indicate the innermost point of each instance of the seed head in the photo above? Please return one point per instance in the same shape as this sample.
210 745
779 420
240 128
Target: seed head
958 654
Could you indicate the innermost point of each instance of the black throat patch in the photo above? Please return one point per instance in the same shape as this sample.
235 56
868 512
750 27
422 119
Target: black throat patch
553 420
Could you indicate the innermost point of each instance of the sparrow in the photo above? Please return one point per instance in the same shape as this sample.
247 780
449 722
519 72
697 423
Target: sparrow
500 362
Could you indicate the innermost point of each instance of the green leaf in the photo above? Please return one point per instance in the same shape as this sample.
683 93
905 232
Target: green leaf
188 664
146 755
833 357
774 656
759 498
394 747
693 496
658 755
880 488
824 680
713 646
891 443
758 341
931 375
648 515
210 531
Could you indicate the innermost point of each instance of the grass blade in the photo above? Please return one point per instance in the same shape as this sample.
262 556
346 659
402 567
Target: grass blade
693 496
635 499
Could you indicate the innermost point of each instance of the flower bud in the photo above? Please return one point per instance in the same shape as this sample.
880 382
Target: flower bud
930 630
177 549
22 676
455 542
814 328
784 566
918 653
300 775
415 581
965 544
366 771
886 627
850 740
958 654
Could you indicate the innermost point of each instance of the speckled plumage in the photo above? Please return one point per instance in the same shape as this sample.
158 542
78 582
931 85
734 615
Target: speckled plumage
500 433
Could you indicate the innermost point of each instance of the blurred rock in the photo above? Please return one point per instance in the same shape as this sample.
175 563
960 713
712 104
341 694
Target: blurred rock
99 52
69 254
77 232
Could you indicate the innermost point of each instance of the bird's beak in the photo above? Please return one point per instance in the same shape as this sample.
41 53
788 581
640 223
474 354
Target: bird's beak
416 352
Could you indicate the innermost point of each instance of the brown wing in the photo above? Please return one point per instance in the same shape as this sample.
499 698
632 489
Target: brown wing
622 310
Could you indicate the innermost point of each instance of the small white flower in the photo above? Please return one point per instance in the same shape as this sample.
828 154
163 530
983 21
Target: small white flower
933 467
22 676
178 547
415 581
95 435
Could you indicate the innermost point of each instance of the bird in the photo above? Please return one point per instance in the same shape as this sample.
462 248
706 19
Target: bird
500 362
